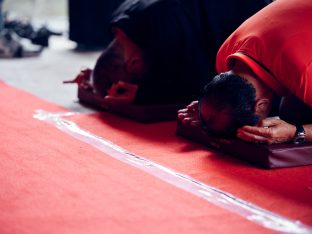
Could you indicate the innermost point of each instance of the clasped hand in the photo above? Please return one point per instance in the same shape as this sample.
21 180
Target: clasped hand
268 131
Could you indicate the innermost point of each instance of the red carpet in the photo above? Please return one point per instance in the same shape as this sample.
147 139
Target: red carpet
287 191
53 183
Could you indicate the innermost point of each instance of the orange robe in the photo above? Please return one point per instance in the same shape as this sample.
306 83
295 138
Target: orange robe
276 43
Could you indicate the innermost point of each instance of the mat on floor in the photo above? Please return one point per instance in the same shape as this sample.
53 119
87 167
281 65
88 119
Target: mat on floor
262 155
141 113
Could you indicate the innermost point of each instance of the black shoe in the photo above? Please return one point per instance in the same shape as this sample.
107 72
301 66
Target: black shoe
42 35
25 29
13 46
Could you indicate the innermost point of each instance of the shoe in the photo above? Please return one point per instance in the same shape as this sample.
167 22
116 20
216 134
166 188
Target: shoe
42 35
12 46
25 29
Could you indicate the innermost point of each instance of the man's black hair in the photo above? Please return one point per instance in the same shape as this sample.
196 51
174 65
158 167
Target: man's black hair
111 67
106 68
233 93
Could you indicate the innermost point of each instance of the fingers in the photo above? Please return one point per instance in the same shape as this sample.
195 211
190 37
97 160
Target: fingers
265 132
189 114
252 136
189 118
84 75
182 113
262 133
269 122
78 79
193 106
270 130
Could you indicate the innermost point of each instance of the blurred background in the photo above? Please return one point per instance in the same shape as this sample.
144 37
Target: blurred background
43 75
53 13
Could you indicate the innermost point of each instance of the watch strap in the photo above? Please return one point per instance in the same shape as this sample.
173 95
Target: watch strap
299 135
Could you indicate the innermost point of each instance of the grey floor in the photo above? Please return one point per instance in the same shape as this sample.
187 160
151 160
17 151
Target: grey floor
43 75
38 10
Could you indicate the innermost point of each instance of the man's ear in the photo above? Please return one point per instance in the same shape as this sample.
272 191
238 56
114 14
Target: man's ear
135 65
262 107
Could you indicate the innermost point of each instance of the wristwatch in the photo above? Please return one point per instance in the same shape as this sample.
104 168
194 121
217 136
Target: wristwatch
299 135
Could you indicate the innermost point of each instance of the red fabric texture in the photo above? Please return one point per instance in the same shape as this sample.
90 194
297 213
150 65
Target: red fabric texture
278 38
285 191
53 183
